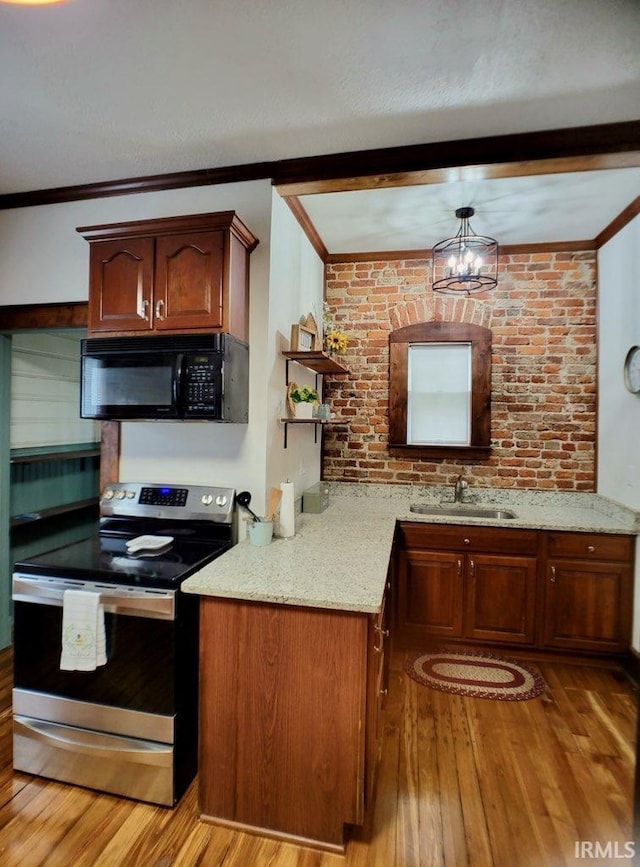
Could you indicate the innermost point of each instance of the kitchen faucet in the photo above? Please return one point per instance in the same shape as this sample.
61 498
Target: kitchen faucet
459 489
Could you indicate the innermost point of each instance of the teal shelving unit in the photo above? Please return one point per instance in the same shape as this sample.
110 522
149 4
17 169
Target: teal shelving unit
54 495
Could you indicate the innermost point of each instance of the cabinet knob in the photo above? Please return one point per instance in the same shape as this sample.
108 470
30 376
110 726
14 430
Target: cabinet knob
467 541
591 548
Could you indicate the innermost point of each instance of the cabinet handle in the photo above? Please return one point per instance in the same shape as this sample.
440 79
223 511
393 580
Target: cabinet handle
160 309
144 309
553 574
459 567
472 566
383 633
383 691
591 548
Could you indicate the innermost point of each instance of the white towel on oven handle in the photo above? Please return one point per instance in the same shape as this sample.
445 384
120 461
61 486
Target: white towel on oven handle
83 636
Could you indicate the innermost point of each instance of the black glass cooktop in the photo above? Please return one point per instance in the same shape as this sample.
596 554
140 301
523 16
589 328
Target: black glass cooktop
105 558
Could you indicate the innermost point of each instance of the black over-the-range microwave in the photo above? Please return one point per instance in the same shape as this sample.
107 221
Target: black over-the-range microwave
158 377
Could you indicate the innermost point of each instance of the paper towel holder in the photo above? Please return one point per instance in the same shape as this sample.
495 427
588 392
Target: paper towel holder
287 524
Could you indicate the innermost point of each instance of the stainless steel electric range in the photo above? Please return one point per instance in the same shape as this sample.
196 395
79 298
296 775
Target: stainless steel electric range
130 726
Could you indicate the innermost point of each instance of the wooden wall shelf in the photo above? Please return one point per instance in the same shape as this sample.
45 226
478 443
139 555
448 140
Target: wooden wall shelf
320 362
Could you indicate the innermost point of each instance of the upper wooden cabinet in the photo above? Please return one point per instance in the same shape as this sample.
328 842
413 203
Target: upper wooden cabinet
175 274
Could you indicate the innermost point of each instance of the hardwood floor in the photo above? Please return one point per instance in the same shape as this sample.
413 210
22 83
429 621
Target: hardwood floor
462 781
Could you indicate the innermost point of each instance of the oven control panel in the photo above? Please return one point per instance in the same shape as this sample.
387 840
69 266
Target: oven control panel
189 503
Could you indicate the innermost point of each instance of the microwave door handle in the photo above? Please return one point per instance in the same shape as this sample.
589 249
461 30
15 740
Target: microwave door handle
178 378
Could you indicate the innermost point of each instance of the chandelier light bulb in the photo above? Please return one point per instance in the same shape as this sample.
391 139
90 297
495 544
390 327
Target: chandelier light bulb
466 263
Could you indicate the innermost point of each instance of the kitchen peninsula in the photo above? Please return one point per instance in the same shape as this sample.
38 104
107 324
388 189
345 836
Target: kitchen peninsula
293 642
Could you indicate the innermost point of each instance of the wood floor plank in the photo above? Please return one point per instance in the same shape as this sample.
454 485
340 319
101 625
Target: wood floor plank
477 835
454 846
408 841
461 781
430 806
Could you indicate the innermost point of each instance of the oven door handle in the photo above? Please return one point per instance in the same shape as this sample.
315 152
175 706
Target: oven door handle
91 743
154 606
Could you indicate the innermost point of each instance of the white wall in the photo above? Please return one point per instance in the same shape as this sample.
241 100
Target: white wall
296 284
45 391
43 260
618 409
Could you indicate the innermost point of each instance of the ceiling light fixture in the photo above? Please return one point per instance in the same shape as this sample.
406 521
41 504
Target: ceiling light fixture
467 263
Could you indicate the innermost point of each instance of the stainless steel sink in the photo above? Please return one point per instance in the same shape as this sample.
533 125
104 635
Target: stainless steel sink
462 511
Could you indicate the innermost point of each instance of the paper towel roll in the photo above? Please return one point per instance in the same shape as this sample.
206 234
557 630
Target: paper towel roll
287 510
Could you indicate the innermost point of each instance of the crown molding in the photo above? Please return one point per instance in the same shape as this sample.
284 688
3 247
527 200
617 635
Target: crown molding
606 146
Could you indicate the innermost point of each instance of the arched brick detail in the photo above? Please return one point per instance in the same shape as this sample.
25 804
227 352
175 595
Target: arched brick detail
432 307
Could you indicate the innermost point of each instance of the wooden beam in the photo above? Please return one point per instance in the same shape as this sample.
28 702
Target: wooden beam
573 149
73 314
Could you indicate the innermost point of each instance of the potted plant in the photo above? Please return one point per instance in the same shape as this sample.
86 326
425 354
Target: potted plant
301 400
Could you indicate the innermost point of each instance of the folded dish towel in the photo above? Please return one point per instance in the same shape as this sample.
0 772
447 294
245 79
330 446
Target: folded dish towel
83 641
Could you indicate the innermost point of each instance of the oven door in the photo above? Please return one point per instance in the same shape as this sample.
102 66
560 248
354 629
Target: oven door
151 649
131 726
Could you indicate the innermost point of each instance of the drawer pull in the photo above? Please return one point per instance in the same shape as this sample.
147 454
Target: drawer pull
553 574
591 548
467 541
383 633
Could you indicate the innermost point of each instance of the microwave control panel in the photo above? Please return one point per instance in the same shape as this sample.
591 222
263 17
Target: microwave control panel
202 383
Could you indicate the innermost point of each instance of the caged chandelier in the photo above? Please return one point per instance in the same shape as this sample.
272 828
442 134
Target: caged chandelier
467 263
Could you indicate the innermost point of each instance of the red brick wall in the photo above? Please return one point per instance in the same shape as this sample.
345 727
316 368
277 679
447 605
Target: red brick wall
543 321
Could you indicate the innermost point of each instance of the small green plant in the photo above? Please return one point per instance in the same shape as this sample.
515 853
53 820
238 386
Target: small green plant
302 394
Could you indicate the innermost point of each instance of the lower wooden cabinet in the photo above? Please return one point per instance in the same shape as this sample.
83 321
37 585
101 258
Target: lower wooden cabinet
588 592
473 591
500 598
537 589
290 717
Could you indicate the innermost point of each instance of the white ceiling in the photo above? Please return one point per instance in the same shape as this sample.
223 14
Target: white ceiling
538 209
98 90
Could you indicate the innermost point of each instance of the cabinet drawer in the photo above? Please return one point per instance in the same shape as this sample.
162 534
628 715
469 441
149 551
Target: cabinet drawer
456 537
590 546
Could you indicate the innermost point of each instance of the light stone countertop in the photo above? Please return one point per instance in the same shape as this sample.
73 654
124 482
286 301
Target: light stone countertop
339 558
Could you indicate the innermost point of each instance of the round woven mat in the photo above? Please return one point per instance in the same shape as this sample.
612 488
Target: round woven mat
475 673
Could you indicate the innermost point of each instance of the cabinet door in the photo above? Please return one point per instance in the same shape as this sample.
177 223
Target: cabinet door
120 285
377 686
430 594
189 281
588 605
500 599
